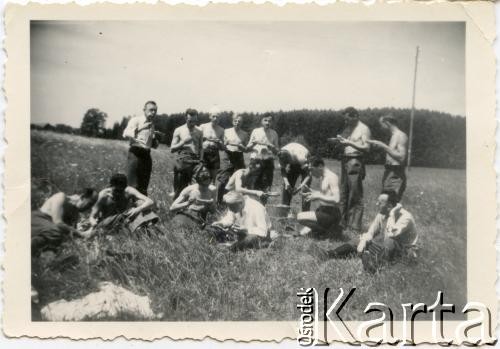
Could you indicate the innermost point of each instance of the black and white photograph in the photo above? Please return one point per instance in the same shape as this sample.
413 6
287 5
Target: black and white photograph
207 170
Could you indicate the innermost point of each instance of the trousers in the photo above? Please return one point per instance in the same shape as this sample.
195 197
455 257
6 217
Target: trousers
139 166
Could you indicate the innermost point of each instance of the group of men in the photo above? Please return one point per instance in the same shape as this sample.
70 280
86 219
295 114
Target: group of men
210 172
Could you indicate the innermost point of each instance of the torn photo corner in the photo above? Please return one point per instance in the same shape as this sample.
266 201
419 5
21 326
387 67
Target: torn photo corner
131 200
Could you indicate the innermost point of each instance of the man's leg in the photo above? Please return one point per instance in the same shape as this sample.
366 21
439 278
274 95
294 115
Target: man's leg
310 221
355 198
394 179
306 205
268 174
132 169
144 168
286 195
344 193
347 250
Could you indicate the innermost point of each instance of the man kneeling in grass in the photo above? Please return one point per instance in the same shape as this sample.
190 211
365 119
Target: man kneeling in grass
120 203
325 220
247 219
391 234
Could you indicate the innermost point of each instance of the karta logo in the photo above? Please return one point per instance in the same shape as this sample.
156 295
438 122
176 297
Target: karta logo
309 321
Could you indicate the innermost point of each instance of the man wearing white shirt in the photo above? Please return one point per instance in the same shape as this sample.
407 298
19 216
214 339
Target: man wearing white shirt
140 131
232 159
391 234
264 141
246 217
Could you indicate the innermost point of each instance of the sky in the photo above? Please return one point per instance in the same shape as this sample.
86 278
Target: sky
241 66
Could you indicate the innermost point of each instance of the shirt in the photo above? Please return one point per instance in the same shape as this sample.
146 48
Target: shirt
253 218
298 152
140 131
259 135
398 225
233 137
360 134
211 131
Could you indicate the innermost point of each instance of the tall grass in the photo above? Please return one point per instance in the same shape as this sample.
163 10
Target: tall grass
188 277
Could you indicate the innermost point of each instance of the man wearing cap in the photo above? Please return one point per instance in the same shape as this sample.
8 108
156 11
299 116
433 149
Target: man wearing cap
354 139
140 131
294 162
247 218
187 143
394 178
213 136
264 141
235 141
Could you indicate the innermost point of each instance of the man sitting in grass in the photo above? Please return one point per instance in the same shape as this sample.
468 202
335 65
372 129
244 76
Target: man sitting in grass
325 220
243 180
247 219
391 234
195 201
56 220
120 203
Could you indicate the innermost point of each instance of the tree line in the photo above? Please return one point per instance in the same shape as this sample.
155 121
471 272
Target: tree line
439 138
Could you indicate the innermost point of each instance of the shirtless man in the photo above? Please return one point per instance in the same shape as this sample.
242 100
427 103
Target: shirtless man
213 136
140 131
187 143
120 201
354 139
56 220
195 201
235 141
326 218
265 142
294 162
242 181
394 178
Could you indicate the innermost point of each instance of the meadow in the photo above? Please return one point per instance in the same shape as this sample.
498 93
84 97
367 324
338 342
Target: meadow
188 278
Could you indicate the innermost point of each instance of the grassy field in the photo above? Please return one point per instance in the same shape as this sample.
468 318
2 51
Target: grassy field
188 278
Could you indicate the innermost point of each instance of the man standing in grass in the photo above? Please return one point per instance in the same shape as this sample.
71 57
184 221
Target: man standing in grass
187 143
140 131
264 141
235 141
391 234
294 162
213 136
354 138
394 178
326 218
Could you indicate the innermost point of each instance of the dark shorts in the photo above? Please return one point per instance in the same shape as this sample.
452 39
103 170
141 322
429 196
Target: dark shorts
231 161
211 159
328 216
394 179
45 234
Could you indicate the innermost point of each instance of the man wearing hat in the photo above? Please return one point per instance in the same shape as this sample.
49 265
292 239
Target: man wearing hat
354 139
247 218
394 178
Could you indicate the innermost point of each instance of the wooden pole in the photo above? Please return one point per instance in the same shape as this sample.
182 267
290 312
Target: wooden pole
412 114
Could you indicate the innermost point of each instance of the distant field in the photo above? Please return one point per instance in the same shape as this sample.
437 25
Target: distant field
189 279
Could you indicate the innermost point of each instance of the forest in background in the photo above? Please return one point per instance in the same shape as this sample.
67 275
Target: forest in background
439 138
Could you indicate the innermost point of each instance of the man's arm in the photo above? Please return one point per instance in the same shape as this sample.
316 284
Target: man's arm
129 132
399 153
177 143
57 207
146 202
238 187
333 198
182 200
253 140
372 231
96 210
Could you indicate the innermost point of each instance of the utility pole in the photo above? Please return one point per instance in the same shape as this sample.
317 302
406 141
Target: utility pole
412 114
